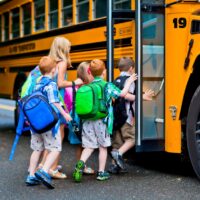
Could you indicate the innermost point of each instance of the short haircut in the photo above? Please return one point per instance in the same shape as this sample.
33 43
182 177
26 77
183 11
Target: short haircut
125 63
46 64
82 71
97 67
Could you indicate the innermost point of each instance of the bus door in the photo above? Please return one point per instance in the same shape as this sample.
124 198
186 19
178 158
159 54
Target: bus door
150 65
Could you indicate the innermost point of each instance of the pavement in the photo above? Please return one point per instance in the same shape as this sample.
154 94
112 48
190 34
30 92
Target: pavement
144 180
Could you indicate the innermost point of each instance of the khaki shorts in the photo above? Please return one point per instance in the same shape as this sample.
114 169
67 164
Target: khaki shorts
40 142
94 134
127 132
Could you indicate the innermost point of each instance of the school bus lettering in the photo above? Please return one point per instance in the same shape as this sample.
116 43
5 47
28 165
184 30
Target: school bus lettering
179 22
22 48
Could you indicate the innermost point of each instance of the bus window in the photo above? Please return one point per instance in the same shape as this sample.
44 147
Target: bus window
6 26
122 4
53 14
26 19
100 8
15 23
82 10
67 12
0 30
39 14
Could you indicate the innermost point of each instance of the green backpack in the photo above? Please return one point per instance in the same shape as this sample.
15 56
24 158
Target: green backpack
90 101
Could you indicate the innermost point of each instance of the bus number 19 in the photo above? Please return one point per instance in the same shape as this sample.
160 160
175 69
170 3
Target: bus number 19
179 22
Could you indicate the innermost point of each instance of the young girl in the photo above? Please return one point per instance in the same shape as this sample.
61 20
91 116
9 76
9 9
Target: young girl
84 74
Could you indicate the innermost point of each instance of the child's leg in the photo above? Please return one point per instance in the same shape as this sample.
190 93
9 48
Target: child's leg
51 158
34 159
86 153
128 144
79 150
102 158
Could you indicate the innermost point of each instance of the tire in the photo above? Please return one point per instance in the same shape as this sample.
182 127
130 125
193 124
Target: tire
193 131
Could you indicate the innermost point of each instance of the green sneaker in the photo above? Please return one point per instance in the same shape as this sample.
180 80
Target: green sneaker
102 176
78 171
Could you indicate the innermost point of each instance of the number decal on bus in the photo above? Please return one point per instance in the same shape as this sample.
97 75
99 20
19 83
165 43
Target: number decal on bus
179 22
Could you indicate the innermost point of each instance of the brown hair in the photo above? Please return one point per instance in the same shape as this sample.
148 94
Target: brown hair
97 67
125 63
82 71
46 64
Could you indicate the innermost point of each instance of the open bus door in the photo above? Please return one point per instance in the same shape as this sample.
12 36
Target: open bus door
148 50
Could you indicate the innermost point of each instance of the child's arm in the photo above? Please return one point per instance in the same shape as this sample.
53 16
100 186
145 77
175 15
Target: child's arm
148 94
62 111
130 97
130 80
62 83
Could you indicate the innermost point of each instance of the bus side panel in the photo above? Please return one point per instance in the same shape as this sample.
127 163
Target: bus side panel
176 77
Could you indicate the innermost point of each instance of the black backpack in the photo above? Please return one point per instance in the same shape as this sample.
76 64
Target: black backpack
119 106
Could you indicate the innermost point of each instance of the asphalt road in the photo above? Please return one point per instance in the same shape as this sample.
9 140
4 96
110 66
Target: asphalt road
150 177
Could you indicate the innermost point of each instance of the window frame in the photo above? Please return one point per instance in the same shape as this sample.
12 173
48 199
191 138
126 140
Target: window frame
50 14
64 9
26 20
77 9
6 27
119 2
38 16
15 30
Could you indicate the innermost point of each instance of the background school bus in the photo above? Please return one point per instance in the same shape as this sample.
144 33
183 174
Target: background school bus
163 39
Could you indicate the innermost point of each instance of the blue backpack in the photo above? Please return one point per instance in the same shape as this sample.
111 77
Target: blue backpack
39 113
41 116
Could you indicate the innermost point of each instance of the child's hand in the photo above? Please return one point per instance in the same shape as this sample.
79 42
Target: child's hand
148 95
78 81
133 77
67 117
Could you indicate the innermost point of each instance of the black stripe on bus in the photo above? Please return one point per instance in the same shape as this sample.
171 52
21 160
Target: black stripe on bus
75 49
58 31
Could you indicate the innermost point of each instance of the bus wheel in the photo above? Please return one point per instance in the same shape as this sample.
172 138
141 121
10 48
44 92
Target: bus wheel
193 131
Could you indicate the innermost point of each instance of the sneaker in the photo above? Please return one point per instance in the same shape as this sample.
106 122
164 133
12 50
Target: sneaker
32 180
78 171
45 178
102 176
114 169
118 159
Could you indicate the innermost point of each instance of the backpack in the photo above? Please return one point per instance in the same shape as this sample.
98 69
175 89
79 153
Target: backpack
37 110
41 116
28 86
75 126
119 106
90 101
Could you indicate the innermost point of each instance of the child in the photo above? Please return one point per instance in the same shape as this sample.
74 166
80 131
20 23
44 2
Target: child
124 137
46 141
95 133
85 75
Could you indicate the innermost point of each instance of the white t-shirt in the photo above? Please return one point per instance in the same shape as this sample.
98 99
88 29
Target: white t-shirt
130 119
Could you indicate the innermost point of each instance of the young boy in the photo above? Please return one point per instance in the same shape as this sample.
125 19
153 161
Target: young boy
96 133
124 137
46 141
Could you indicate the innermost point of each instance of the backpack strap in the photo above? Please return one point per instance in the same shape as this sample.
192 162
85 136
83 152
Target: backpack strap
73 100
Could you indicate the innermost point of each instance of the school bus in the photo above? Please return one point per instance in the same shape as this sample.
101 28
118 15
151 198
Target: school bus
163 36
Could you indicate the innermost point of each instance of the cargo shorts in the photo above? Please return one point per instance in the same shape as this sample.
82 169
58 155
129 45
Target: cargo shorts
46 141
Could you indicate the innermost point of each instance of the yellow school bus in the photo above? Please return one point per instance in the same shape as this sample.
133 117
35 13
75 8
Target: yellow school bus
163 36
28 27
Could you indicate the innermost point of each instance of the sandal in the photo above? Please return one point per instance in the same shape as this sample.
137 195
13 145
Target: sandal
88 170
56 174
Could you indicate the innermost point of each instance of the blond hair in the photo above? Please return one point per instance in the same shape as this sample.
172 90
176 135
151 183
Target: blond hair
82 72
46 64
97 67
60 49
